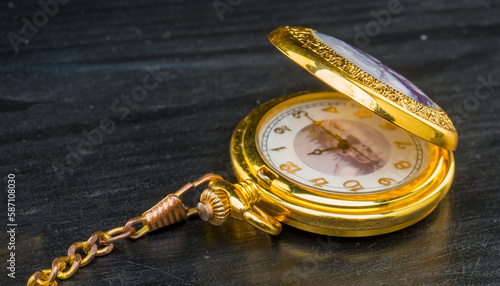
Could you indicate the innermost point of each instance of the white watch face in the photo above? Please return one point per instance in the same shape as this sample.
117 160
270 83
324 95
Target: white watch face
337 146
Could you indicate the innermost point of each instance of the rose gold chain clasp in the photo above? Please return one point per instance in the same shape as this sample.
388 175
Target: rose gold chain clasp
169 210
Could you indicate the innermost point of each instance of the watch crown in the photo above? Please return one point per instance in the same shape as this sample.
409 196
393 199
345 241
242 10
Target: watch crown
214 206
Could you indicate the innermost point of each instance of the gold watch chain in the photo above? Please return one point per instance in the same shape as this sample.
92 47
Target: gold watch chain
168 211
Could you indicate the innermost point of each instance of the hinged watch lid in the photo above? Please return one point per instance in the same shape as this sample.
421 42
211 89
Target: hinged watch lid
367 81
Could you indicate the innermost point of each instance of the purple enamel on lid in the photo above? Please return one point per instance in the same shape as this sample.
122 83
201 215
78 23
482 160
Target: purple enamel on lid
377 69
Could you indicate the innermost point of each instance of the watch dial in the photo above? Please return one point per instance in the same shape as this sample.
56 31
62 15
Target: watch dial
338 146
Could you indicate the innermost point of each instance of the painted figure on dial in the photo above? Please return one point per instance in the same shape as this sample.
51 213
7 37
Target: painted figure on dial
320 151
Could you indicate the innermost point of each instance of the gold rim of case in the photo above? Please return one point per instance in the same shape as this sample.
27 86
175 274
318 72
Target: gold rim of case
304 48
328 213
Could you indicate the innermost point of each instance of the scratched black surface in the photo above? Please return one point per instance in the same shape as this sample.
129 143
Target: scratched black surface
76 68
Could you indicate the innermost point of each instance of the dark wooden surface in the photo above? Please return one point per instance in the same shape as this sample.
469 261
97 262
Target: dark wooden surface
77 67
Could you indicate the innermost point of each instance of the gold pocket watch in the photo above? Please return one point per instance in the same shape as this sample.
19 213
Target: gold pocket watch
370 157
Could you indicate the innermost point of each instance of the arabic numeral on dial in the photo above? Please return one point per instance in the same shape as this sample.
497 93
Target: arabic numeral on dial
282 129
330 109
386 181
402 145
319 182
298 114
277 149
389 126
402 165
353 185
363 113
290 167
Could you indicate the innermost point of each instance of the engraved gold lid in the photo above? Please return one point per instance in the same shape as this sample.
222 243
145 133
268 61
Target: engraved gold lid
367 81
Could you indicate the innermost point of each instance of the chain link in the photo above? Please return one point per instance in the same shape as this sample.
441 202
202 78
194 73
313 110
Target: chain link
74 261
66 266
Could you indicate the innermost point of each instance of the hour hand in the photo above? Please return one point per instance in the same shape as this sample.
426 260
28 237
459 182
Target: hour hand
320 151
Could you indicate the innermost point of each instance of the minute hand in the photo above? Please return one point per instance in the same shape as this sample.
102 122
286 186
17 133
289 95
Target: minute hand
353 148
340 139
